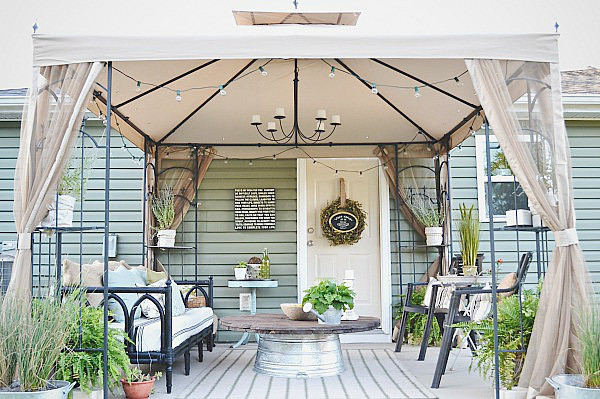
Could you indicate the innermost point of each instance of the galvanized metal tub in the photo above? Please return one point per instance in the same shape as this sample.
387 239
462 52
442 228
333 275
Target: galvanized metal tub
299 356
570 386
57 390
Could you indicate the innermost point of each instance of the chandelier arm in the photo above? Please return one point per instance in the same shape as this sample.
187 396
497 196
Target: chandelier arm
330 133
265 137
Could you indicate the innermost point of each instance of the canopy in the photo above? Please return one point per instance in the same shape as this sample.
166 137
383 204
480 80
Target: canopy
425 92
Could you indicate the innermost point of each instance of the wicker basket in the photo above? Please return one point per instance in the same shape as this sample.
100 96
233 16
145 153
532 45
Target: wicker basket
196 302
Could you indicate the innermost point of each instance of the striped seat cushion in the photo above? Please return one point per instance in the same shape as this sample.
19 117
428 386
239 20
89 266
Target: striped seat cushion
148 334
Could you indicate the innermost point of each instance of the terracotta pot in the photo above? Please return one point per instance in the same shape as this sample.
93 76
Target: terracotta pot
137 390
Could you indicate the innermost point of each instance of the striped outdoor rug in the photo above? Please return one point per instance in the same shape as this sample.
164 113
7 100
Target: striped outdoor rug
370 373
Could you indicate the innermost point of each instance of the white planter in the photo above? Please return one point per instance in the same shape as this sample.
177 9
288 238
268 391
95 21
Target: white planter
434 235
536 221
520 217
94 394
166 238
332 316
515 393
66 204
240 273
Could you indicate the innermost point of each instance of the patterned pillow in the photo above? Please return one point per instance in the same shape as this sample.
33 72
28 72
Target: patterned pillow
150 310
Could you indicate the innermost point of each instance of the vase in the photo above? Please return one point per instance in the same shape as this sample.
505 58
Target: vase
434 235
469 270
78 393
514 393
138 390
60 213
166 238
240 273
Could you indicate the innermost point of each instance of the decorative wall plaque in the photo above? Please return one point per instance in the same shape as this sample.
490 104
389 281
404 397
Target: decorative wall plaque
254 208
343 222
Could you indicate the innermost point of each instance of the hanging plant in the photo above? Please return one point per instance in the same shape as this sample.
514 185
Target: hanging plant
343 224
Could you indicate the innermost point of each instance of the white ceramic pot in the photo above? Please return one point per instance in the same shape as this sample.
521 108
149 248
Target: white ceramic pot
515 393
66 204
240 273
94 394
166 238
332 316
520 217
434 235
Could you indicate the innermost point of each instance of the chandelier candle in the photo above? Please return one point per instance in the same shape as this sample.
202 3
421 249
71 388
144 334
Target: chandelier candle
279 113
321 115
336 120
256 120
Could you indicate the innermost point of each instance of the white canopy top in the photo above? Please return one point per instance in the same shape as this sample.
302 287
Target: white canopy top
293 42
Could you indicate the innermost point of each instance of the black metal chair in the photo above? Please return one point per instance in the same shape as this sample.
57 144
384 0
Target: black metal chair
454 316
430 310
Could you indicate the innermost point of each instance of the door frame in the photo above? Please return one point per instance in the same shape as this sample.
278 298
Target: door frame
384 247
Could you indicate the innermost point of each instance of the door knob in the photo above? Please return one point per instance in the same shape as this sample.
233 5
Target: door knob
310 243
311 230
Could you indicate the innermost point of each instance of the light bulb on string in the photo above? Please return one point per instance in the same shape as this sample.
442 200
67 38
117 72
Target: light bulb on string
178 96
360 173
332 73
138 86
374 89
429 147
226 161
385 167
263 71
336 171
250 163
417 93
222 90
274 157
458 82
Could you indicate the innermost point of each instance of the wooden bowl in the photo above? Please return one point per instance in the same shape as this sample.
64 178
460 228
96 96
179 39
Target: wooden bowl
294 312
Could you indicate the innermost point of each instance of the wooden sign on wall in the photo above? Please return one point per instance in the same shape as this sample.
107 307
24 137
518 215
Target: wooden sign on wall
254 208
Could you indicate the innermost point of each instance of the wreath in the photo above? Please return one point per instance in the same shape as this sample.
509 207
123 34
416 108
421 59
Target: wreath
336 237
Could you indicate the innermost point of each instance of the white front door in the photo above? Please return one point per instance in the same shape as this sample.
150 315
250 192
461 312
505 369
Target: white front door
326 261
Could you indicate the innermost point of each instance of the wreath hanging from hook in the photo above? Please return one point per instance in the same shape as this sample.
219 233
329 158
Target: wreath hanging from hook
343 220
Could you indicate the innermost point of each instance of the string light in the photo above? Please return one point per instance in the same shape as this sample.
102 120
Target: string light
417 93
226 161
138 86
263 71
222 90
332 73
250 163
458 82
374 89
178 96
274 157
429 147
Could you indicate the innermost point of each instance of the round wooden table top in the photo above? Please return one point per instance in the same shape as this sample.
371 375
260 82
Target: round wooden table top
269 323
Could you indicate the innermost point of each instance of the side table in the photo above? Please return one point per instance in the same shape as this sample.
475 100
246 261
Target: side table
253 285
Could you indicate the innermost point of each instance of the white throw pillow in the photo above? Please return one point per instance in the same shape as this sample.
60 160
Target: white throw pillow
427 297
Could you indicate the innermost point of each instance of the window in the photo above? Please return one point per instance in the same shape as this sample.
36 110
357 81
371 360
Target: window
507 193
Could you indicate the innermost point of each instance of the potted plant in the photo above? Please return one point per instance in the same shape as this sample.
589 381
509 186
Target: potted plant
33 337
139 385
432 218
163 208
240 271
329 301
85 368
253 267
587 384
468 229
509 337
70 187
500 166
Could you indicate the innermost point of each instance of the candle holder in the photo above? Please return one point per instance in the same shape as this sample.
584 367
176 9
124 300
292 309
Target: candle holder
281 136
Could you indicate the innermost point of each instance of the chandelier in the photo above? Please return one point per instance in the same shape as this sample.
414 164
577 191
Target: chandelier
276 133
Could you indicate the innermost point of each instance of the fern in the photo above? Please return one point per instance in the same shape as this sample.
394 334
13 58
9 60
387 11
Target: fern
415 325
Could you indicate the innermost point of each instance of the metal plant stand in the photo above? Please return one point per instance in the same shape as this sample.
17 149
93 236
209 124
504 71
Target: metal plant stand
297 349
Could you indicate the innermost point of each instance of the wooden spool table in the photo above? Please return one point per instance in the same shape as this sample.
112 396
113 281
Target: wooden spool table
297 349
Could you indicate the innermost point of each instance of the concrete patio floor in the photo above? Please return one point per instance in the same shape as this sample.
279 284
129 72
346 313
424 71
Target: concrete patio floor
456 384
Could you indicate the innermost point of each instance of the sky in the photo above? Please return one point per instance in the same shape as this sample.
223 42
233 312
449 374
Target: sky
577 19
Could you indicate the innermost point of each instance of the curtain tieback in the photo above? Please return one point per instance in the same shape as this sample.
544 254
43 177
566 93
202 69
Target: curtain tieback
566 237
24 241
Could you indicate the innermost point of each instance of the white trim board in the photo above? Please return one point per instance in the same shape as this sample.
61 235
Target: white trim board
385 333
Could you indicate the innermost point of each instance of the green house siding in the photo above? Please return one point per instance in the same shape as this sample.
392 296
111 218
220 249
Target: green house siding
220 246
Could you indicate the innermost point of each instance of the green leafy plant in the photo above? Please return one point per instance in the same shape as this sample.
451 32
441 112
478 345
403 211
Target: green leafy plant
241 265
589 336
163 208
33 337
415 325
137 375
509 337
468 228
500 162
71 182
87 367
327 293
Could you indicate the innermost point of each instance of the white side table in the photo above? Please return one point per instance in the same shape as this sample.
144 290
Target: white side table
253 285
